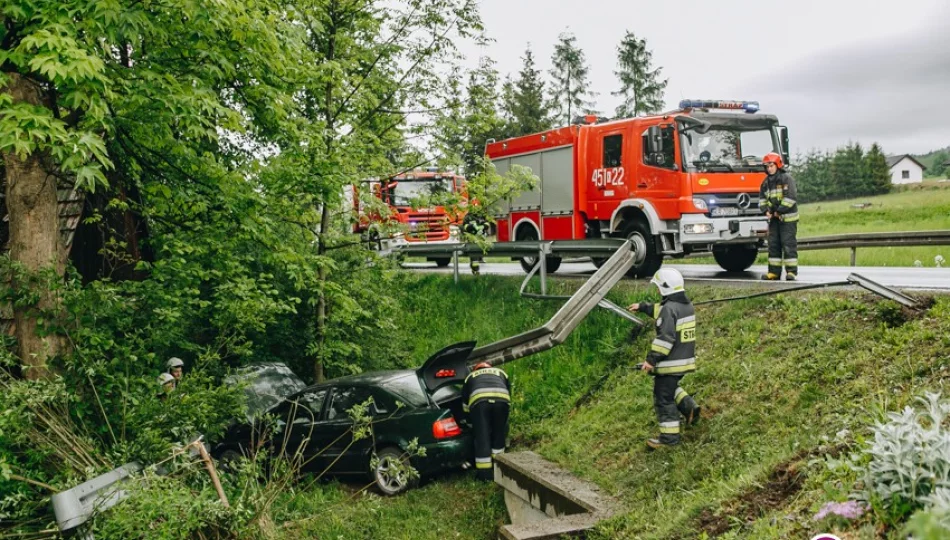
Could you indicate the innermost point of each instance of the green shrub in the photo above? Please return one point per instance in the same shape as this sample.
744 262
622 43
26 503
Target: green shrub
909 461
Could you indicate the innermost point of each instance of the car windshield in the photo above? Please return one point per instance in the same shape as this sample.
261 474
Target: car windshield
266 386
406 192
407 388
726 149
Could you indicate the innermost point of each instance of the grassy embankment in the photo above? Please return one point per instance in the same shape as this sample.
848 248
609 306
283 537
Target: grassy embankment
779 378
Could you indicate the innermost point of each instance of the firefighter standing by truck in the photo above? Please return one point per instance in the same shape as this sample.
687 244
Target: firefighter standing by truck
486 397
672 355
777 200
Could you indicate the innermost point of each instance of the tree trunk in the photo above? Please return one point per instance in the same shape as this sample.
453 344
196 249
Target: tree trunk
325 213
34 238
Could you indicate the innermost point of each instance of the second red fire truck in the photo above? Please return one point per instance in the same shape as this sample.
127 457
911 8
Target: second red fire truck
686 181
405 220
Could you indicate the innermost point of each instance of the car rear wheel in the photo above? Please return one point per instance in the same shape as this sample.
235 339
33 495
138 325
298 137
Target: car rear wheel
391 473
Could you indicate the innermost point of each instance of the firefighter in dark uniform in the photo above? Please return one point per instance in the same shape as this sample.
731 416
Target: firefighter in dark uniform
672 355
474 225
777 200
486 396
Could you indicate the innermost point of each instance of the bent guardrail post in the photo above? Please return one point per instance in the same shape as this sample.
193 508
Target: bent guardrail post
884 291
74 507
569 316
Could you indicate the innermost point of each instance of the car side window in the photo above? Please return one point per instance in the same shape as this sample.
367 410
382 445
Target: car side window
385 404
664 159
345 398
306 407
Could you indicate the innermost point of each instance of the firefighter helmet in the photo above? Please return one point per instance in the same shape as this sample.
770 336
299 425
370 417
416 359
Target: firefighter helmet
668 280
174 362
165 378
481 365
773 157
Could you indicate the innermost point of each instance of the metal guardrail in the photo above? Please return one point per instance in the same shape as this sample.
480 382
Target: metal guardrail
556 330
881 239
605 247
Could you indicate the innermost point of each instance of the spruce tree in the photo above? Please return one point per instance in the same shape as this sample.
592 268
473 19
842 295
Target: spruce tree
571 89
641 86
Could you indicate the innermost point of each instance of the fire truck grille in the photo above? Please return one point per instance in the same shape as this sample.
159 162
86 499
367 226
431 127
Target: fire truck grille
732 204
427 227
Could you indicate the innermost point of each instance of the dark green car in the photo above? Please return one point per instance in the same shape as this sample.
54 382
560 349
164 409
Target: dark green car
312 423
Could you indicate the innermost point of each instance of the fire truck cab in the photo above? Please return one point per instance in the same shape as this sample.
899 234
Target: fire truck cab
686 181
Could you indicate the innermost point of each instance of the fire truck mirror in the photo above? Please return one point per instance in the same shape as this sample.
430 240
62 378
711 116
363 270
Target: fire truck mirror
783 135
655 142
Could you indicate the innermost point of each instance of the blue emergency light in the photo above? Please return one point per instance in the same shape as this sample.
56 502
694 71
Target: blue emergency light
747 106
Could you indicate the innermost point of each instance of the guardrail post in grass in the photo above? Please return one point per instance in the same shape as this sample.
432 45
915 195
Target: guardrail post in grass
854 255
455 265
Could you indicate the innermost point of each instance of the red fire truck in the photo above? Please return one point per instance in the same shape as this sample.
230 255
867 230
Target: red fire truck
405 223
686 181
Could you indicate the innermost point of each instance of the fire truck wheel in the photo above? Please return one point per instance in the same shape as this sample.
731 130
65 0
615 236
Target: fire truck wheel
653 259
528 234
735 258
442 263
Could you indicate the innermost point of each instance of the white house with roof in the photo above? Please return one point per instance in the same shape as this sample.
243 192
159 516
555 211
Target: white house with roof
905 169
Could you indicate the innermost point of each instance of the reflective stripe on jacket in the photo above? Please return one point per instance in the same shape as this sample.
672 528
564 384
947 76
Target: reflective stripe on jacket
485 383
673 351
778 194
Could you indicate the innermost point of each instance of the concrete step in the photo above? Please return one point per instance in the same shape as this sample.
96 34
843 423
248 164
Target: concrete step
545 501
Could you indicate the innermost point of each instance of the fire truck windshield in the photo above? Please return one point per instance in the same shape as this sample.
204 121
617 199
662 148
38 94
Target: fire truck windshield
406 192
727 149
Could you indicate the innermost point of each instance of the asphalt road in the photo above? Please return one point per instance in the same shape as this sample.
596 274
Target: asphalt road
903 278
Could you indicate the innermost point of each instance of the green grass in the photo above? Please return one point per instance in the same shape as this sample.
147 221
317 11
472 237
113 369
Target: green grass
779 376
920 207
455 506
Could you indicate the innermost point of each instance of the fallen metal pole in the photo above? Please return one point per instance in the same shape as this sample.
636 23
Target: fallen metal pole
556 330
212 472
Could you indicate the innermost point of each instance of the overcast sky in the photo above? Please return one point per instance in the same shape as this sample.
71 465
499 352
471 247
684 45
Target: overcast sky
832 70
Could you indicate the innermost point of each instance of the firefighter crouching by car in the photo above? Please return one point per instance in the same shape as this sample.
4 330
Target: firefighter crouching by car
777 196
672 355
486 397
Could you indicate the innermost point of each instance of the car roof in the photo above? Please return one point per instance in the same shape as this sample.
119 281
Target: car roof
371 378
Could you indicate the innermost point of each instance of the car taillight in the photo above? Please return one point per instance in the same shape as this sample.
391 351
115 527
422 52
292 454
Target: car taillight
443 373
445 428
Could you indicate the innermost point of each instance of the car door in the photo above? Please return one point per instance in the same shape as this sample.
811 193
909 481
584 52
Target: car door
344 453
658 176
298 428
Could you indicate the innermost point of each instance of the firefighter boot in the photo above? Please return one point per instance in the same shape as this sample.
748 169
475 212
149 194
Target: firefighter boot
790 276
770 277
687 406
657 444
693 417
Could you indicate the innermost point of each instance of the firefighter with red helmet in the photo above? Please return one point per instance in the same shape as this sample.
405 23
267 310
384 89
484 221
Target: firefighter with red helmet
486 397
777 200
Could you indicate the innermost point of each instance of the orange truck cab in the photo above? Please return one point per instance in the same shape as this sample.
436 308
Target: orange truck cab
434 224
686 181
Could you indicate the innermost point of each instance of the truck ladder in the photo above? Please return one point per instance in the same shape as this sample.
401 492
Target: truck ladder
556 330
